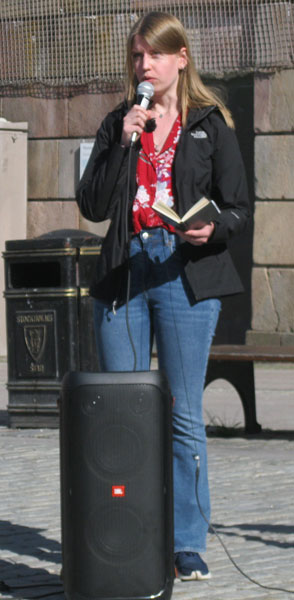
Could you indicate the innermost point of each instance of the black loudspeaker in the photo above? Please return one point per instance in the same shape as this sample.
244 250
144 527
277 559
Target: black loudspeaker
116 486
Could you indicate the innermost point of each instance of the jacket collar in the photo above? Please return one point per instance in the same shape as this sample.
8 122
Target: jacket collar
196 115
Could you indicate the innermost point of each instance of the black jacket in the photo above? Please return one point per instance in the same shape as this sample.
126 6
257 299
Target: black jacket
207 163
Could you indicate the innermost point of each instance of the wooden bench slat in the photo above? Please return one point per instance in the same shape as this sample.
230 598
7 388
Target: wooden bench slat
252 353
241 375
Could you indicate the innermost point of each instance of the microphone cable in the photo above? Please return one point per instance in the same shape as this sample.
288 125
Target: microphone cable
127 237
196 457
216 533
146 90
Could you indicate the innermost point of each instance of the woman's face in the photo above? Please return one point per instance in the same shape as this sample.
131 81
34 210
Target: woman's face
162 70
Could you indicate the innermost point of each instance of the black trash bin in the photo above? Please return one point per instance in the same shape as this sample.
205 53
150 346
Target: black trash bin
49 320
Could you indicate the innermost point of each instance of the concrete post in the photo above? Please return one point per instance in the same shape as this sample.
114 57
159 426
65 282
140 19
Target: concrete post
13 197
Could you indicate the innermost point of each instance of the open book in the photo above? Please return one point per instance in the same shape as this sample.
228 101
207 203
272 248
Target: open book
196 217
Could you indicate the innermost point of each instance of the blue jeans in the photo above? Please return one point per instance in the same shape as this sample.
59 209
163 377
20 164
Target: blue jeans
161 304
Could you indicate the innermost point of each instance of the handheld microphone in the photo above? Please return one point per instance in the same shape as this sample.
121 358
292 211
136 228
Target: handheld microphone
145 90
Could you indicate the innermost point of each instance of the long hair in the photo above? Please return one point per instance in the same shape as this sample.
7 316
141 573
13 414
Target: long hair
165 33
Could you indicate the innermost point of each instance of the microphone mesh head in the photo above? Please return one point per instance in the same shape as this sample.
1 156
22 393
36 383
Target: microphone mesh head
145 88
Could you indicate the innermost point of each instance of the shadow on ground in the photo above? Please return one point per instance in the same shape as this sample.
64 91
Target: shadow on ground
20 580
264 533
239 432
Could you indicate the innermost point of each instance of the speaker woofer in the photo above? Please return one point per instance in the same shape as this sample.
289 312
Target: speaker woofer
116 450
116 534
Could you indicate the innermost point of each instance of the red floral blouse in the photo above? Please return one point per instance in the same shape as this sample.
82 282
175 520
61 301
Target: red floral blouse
154 179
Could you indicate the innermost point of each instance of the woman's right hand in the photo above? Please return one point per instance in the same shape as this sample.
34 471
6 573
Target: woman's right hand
134 121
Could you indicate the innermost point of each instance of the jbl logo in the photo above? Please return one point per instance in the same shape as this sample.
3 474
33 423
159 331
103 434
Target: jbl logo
118 491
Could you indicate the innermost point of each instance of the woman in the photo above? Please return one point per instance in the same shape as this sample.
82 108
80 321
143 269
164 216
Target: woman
185 149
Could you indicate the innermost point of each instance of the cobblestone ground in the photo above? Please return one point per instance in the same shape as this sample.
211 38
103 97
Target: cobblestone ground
252 508
252 485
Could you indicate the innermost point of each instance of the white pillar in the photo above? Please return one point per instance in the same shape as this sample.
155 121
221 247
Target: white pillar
13 198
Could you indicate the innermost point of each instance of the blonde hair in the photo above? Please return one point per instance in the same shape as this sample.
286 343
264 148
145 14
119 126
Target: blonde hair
165 33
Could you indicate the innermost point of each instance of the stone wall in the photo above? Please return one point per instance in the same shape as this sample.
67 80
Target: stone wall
58 126
273 246
56 129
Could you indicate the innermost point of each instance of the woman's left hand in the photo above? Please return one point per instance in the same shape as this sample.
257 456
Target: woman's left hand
197 237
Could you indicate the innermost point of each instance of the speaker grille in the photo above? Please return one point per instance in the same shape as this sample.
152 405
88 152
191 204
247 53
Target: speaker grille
116 534
114 449
116 486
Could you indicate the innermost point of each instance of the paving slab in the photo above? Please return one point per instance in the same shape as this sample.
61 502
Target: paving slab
252 489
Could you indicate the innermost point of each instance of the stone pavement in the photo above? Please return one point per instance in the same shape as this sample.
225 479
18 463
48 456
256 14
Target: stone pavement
252 489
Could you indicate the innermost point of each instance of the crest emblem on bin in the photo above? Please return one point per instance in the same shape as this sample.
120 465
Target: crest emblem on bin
35 339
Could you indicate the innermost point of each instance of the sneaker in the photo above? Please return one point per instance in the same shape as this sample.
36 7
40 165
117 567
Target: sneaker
190 566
